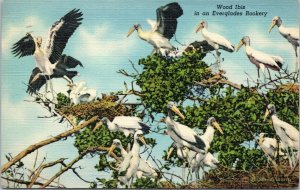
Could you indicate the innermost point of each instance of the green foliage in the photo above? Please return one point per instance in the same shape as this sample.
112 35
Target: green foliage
62 100
145 183
239 112
164 79
113 183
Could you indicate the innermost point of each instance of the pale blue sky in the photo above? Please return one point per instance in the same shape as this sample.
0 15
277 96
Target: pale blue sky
101 44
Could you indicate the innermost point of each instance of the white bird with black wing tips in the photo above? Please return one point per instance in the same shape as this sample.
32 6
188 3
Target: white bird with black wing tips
163 29
144 169
287 133
259 59
291 34
50 63
126 124
215 40
184 136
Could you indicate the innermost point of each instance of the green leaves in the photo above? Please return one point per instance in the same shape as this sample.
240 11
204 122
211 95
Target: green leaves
164 79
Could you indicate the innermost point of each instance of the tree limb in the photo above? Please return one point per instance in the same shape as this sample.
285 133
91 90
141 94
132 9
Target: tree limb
27 182
40 144
69 166
42 167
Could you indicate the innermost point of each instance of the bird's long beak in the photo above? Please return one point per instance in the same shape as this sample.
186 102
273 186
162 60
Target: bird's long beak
176 110
272 26
111 149
142 139
170 152
217 126
266 114
239 45
199 27
131 30
99 124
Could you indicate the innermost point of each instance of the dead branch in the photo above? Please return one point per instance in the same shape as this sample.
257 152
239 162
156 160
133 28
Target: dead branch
42 167
70 165
27 182
43 178
40 144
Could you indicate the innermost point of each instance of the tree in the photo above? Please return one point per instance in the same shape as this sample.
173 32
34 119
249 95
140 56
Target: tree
200 93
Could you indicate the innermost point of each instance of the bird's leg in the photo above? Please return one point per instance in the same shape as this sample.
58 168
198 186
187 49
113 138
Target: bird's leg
218 59
262 67
293 157
51 87
297 61
269 74
258 72
289 156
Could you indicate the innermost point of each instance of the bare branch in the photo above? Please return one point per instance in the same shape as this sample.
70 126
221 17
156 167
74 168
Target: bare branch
42 167
40 144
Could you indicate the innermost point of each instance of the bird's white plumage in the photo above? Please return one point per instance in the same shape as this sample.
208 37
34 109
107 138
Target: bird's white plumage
263 58
181 134
131 161
144 168
215 39
269 145
81 93
287 133
153 24
210 161
127 124
293 32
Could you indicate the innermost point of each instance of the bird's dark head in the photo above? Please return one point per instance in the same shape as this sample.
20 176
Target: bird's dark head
136 26
276 21
105 121
171 106
132 29
244 41
270 111
202 24
139 135
213 122
117 142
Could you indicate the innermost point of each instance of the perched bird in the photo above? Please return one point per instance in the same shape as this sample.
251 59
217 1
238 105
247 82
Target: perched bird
81 93
291 34
50 62
215 40
269 145
210 161
126 124
129 166
287 133
259 59
144 169
37 80
163 29
184 136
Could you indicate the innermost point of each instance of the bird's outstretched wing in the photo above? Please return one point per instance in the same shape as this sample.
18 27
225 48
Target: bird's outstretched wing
24 47
68 62
36 81
153 24
167 19
60 32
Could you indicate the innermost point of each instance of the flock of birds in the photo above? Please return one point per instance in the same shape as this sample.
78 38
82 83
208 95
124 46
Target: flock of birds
194 148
